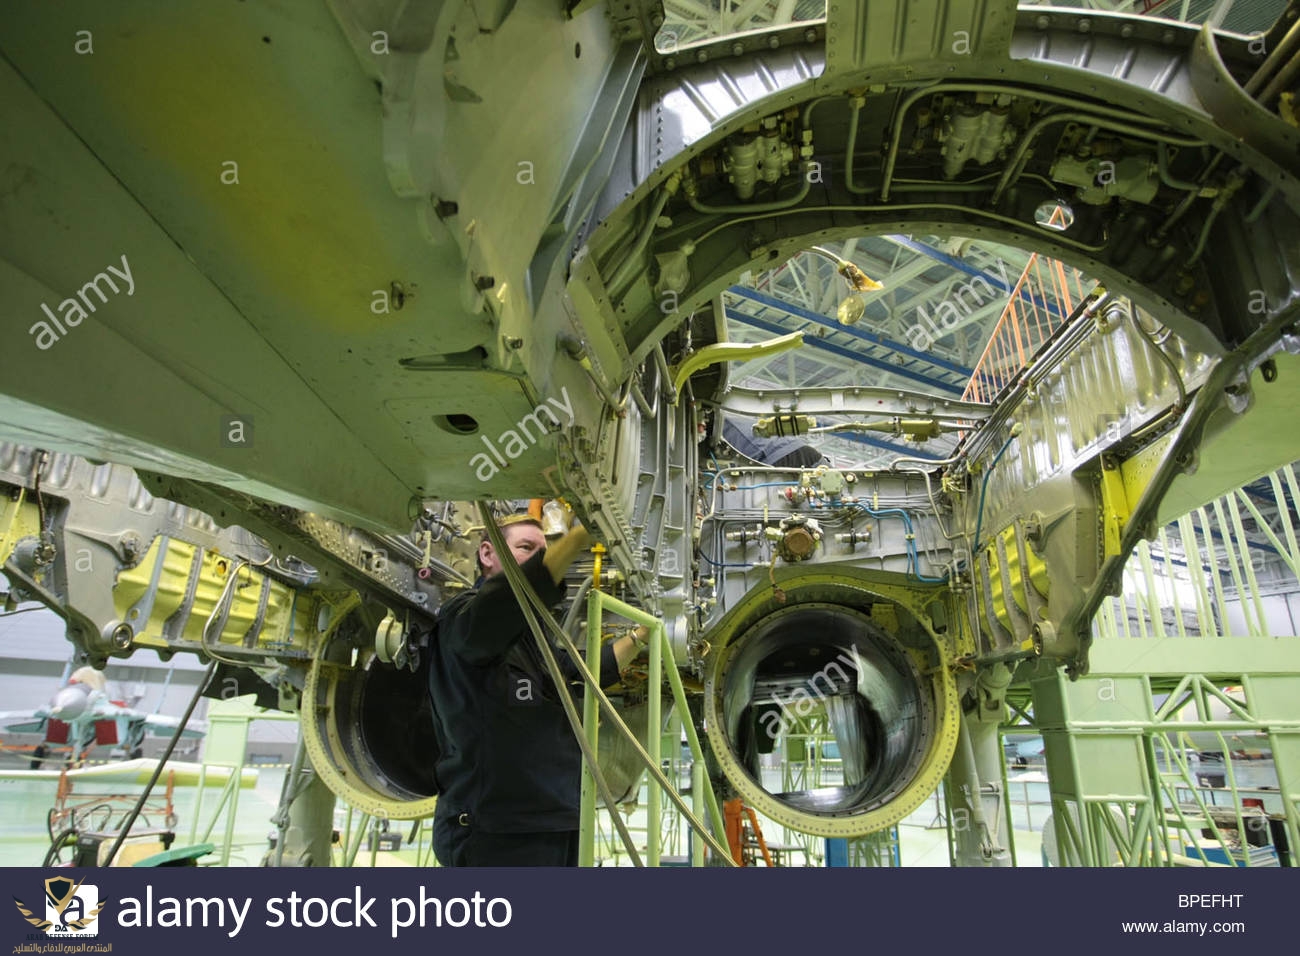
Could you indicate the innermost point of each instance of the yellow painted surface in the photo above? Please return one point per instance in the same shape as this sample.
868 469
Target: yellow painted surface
1014 570
1138 470
1115 509
1038 575
19 518
732 352
886 615
139 772
996 590
1032 573
288 623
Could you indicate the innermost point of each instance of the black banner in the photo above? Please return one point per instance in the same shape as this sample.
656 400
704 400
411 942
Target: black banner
132 912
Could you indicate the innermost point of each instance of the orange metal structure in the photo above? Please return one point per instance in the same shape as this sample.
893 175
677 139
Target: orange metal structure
1026 323
734 817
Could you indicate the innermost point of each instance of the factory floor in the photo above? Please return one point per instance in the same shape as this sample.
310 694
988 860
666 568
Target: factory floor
922 840
25 806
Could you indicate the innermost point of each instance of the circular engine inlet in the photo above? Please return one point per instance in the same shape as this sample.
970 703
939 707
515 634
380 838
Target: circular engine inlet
863 719
368 729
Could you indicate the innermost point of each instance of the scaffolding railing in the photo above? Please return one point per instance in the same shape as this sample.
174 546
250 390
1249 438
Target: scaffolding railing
1040 302
1204 575
660 665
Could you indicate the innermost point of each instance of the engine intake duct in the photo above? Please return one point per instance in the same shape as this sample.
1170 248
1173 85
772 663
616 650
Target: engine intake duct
368 727
849 683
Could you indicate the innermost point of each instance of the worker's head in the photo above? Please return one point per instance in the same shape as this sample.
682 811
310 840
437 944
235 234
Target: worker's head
523 536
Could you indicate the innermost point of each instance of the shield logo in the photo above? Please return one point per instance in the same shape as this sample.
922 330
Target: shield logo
60 891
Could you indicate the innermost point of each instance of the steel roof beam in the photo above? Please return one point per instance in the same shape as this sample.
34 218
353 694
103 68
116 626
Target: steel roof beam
826 321
963 266
840 350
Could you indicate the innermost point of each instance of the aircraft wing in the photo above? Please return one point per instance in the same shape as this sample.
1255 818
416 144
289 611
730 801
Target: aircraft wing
158 725
23 721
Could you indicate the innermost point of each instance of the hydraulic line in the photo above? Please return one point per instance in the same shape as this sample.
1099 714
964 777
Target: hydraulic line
895 208
1017 161
1290 42
1186 204
774 206
1285 77
891 158
1162 153
628 266
1078 327
220 608
855 109
583 589
1160 354
984 486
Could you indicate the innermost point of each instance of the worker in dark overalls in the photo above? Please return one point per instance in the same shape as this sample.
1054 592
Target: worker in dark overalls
509 771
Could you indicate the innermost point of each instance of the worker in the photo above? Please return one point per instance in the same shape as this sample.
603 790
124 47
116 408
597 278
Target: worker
509 767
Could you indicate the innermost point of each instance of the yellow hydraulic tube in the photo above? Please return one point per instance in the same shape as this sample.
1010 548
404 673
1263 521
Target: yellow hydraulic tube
730 352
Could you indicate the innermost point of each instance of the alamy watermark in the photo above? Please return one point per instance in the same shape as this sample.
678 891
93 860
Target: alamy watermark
515 441
954 308
73 310
804 700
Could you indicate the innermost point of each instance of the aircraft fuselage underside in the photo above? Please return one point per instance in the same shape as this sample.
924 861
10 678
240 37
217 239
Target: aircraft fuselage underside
485 258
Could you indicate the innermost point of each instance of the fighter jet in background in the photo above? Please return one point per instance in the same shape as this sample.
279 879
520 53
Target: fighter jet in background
80 716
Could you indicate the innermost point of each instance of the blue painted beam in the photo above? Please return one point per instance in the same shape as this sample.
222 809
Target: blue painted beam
852 330
962 266
882 443
841 351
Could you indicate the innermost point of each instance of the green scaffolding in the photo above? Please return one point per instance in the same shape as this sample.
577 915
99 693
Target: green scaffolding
1194 677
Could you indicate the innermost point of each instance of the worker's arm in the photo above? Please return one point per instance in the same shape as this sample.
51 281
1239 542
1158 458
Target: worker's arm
614 658
492 621
563 553
559 557
627 647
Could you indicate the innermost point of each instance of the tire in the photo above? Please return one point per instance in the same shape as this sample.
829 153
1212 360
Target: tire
63 842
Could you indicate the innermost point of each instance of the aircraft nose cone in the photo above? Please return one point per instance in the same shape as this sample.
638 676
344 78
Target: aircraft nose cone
68 704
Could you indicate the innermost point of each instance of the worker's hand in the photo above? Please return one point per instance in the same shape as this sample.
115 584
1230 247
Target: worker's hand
565 551
581 537
630 646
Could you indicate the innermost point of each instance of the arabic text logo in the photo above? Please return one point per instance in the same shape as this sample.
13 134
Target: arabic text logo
71 909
